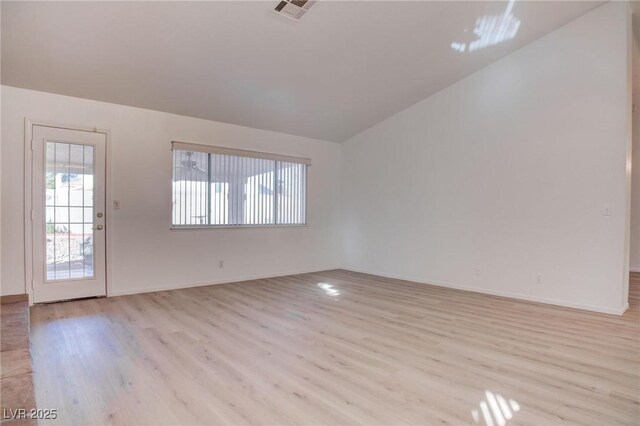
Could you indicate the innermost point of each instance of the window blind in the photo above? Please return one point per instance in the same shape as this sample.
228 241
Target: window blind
217 187
186 146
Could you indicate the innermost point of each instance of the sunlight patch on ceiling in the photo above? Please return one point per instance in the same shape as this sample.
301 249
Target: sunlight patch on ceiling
491 30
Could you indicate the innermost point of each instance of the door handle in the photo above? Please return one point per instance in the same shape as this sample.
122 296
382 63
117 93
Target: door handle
99 228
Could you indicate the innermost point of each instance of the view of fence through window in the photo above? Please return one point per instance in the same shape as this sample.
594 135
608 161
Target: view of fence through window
212 189
69 210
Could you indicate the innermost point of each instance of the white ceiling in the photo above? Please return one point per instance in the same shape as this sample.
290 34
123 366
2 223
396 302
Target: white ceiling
341 69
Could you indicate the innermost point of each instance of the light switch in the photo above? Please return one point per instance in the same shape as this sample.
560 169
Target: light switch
116 205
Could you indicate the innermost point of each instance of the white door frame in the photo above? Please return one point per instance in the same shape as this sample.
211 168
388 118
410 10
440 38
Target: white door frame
28 196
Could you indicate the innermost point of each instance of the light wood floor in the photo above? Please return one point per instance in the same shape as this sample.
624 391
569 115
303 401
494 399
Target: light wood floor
16 378
334 348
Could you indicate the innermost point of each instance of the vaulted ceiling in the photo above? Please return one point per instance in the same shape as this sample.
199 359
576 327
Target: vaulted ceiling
344 67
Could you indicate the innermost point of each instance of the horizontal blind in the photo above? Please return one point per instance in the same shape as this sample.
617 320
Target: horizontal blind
211 189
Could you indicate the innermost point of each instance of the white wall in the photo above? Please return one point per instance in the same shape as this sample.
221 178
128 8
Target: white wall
508 171
146 254
634 261
1 293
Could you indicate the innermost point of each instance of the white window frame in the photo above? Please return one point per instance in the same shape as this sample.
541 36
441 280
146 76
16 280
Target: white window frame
210 149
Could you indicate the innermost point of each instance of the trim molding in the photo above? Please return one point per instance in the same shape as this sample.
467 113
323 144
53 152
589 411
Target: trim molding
217 282
14 298
517 296
28 202
634 269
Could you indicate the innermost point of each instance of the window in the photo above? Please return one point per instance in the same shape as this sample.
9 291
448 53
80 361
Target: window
227 187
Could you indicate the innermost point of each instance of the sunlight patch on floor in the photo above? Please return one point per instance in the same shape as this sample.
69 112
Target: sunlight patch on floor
496 410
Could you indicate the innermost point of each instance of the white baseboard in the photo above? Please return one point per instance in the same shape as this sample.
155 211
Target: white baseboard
518 296
214 282
581 306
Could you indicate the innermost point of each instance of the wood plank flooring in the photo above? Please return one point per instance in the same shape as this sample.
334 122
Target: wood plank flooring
335 348
16 379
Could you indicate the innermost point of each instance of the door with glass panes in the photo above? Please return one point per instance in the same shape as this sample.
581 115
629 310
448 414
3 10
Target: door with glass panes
68 218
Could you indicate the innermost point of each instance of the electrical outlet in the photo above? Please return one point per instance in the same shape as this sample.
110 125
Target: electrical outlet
220 264
539 279
116 205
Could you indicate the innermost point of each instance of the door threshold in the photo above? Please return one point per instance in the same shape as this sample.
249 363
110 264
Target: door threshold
69 300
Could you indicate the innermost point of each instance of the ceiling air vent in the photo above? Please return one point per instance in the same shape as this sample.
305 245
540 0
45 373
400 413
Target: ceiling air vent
294 9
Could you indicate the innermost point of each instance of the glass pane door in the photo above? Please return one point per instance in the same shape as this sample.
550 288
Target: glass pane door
69 211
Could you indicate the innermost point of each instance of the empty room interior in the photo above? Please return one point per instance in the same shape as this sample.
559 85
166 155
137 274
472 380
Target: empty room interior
292 212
